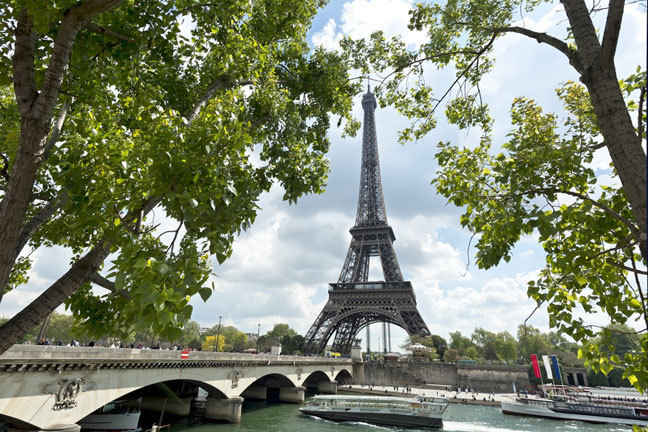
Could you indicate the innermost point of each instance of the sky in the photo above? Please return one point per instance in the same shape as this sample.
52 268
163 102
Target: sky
280 268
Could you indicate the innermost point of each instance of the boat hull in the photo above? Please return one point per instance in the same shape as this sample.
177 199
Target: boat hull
514 408
111 422
383 419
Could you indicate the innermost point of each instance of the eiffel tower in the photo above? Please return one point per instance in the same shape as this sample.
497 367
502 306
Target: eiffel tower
355 302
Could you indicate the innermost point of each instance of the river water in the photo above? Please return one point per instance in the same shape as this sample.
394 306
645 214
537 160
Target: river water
261 417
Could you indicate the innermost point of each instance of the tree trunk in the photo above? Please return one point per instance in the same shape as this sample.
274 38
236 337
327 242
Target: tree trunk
622 141
18 193
23 322
599 76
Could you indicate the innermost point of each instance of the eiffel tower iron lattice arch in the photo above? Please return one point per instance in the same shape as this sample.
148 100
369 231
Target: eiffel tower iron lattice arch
355 302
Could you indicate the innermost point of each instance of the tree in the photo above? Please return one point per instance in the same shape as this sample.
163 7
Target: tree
594 235
505 347
460 343
190 332
471 353
235 339
484 341
107 106
210 343
618 339
279 331
436 345
451 356
439 344
531 341
60 328
292 344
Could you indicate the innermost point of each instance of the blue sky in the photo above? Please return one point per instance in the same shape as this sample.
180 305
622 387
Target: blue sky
280 269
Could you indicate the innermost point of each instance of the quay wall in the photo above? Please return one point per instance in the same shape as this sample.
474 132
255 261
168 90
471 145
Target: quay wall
483 378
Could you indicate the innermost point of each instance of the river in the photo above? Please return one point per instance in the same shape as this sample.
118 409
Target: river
262 417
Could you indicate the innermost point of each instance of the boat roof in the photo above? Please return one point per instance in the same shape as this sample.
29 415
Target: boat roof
370 398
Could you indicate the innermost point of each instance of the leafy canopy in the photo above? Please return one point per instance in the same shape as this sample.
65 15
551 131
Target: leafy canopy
539 180
172 109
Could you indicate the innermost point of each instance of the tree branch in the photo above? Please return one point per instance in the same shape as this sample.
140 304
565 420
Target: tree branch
109 285
644 303
73 20
584 33
102 30
30 316
56 129
175 236
42 216
642 99
632 227
630 269
218 84
619 246
465 71
611 33
547 39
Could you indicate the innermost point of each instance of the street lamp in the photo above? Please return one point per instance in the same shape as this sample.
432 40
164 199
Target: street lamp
258 333
218 333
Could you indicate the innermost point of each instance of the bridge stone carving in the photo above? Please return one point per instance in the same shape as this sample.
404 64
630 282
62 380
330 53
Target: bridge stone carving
50 388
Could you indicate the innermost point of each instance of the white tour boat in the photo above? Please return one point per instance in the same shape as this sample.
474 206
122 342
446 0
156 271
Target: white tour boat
416 411
112 417
583 405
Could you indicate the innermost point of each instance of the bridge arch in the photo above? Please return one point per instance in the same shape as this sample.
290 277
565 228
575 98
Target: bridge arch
47 386
344 377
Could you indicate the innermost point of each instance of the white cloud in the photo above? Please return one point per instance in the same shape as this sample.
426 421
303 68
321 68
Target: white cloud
328 37
360 18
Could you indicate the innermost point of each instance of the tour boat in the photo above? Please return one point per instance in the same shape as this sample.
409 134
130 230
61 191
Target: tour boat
114 416
584 406
380 410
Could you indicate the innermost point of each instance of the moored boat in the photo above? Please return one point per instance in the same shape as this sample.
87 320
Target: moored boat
114 416
381 410
588 409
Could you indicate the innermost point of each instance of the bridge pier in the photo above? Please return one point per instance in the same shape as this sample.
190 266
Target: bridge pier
256 392
327 387
57 428
224 409
292 394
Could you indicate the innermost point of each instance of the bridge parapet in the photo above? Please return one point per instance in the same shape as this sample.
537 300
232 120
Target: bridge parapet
43 387
38 357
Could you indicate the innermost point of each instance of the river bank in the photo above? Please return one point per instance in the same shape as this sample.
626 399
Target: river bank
487 399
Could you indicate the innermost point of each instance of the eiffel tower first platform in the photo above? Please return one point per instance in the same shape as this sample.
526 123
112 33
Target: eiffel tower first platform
355 302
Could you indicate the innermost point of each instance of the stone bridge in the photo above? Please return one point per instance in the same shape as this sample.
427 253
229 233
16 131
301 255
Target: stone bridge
52 388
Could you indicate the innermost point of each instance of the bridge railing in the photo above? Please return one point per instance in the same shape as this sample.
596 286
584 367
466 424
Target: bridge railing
62 354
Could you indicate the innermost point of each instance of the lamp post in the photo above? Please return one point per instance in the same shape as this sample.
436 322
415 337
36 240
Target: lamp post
258 333
218 333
